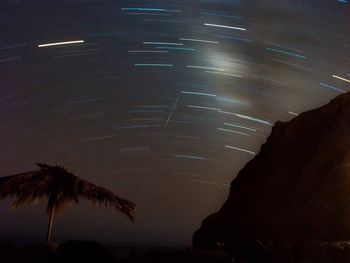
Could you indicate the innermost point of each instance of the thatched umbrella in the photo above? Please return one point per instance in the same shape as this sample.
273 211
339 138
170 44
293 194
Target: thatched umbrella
61 187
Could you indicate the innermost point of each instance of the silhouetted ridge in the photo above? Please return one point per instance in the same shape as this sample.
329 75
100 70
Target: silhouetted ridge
296 188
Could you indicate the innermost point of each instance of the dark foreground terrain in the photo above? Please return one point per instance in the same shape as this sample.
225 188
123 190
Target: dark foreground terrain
250 252
296 189
293 196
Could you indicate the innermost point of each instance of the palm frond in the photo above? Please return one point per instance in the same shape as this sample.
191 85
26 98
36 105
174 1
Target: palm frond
61 187
24 187
4 179
98 195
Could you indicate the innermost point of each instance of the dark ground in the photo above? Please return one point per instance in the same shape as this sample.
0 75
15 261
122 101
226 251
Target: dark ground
251 252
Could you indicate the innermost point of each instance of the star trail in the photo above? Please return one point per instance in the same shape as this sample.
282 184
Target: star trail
161 101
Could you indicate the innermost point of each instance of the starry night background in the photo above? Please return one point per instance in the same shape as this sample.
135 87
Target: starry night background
162 102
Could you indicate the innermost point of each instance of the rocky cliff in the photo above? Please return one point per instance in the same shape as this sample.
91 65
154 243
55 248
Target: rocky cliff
296 188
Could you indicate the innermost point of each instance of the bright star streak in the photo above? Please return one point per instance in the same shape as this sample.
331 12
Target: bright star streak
208 68
201 107
198 93
153 65
149 14
61 43
177 48
240 126
162 43
147 51
149 111
199 40
152 106
188 157
239 149
337 77
149 9
246 117
147 119
286 53
223 26
252 119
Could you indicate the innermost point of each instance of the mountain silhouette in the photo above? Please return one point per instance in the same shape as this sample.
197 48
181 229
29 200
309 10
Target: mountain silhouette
296 188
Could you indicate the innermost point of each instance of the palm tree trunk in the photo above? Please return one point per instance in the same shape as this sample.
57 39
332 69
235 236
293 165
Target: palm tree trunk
49 228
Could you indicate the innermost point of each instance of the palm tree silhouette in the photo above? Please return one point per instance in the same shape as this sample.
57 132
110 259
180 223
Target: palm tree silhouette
61 187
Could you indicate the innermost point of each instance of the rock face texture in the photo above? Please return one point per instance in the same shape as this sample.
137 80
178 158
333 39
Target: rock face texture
297 188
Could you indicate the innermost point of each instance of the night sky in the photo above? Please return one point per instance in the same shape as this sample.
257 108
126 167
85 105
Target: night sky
163 102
